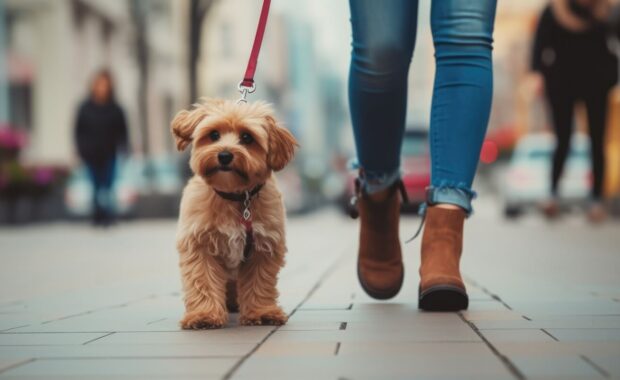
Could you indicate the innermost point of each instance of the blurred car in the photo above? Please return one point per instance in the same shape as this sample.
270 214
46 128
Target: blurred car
528 178
415 165
134 178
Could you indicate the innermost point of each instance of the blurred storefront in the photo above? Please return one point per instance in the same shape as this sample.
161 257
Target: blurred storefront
53 49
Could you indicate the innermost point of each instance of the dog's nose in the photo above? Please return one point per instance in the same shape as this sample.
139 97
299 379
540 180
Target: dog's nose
225 157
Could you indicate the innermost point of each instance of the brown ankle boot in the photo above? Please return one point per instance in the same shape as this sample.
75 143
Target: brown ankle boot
379 265
441 286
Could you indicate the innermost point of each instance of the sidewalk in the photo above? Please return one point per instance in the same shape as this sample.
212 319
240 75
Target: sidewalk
77 303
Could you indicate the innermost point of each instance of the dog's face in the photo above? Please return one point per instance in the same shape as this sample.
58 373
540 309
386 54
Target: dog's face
234 146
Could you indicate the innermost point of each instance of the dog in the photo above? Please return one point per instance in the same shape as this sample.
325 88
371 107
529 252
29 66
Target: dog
231 230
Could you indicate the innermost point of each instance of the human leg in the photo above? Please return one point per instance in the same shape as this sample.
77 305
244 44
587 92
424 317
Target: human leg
384 34
597 104
463 88
383 41
96 179
107 184
462 34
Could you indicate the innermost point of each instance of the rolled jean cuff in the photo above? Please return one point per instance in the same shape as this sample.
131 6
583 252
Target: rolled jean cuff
458 195
372 182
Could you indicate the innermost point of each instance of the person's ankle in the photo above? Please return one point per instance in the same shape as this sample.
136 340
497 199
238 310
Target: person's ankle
447 206
380 196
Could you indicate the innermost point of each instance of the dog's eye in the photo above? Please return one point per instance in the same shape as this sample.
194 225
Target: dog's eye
246 138
214 135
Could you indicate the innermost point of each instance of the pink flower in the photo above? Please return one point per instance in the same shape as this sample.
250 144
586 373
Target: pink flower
11 138
43 176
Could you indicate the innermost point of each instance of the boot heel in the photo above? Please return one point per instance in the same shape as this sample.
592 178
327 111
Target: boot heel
443 298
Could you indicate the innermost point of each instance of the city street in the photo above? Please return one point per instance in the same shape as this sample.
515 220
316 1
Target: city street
84 303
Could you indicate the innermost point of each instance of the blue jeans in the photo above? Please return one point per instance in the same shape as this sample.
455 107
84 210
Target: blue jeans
102 178
384 34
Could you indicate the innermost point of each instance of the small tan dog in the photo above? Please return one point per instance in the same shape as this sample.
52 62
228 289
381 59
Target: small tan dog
231 224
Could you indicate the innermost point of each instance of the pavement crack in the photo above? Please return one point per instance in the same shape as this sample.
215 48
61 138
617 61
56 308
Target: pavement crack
337 350
551 335
92 340
512 368
596 367
497 298
13 328
234 369
313 290
488 292
157 320
18 364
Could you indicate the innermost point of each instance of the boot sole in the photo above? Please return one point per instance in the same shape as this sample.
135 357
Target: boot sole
381 294
443 298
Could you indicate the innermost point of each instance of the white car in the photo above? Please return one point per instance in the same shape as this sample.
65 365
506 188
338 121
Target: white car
528 179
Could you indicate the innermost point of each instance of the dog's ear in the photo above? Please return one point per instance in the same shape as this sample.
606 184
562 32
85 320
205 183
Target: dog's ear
282 145
184 123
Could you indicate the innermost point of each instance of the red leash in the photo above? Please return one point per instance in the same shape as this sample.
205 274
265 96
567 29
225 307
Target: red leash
247 86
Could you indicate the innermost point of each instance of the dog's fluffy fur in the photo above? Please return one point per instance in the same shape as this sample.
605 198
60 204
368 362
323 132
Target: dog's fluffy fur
210 237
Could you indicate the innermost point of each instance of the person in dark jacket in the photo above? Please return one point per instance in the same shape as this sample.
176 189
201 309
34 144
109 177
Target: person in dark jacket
572 56
100 133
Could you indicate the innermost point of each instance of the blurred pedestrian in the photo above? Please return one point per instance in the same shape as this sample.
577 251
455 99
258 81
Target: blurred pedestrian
384 34
573 62
100 134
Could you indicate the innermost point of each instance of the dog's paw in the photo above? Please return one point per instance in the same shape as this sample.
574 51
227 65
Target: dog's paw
274 317
201 320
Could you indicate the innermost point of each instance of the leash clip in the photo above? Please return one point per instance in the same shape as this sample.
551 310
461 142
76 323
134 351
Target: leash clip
246 207
245 90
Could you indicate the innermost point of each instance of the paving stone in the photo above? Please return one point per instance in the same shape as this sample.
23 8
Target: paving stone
377 366
608 362
486 305
585 307
295 325
381 340
7 363
13 321
102 323
516 335
540 366
446 334
566 377
26 339
146 368
108 377
586 335
341 305
273 348
449 349
221 349
492 315
556 349
389 316
242 334
564 322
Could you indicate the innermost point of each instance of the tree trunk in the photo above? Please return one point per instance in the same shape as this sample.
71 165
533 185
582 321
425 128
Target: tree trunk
139 13
197 12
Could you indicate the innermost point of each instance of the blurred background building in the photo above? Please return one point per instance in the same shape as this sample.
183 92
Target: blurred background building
165 54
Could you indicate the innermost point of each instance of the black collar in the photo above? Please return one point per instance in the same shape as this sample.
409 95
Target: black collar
240 197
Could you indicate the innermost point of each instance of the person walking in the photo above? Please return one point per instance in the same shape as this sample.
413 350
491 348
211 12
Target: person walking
573 63
100 133
384 34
